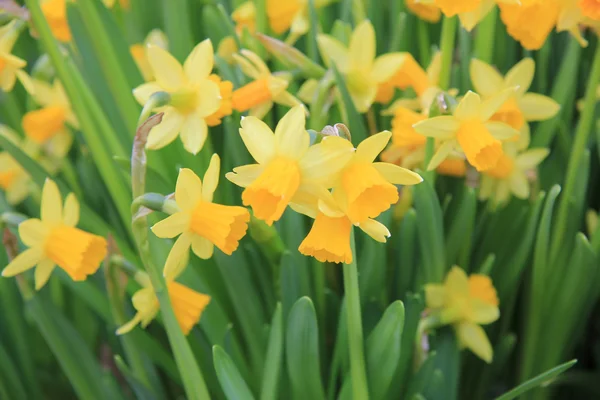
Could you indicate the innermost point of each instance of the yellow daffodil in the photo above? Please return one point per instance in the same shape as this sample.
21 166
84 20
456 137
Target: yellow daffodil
573 15
55 12
187 304
138 51
11 67
510 175
362 71
366 188
288 168
258 96
194 96
47 126
244 16
531 21
54 240
200 223
428 12
470 130
465 303
409 74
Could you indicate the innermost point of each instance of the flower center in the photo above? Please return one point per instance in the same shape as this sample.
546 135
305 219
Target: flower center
481 287
77 252
251 95
185 100
272 191
503 168
223 226
482 150
328 240
510 114
43 124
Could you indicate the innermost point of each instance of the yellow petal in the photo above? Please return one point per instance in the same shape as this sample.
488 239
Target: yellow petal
24 261
246 174
209 98
438 127
486 80
397 175
386 66
519 185
211 178
291 138
491 105
188 189
33 232
470 19
71 210
172 226
521 75
435 296
375 229
364 98
369 149
167 70
128 327
199 63
178 257
474 338
457 282
362 46
202 247
500 130
530 159
440 155
333 52
260 110
165 132
26 81
193 133
322 162
51 209
468 106
258 138
42 272
536 107
483 313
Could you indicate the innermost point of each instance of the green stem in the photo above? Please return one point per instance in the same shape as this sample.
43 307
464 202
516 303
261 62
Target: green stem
447 42
424 42
358 370
429 150
582 135
484 38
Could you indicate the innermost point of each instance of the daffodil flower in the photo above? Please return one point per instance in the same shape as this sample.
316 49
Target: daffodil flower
55 12
364 188
465 303
470 130
266 88
187 304
194 97
530 22
470 19
11 67
138 51
521 107
14 179
291 15
427 12
510 175
574 14
54 240
362 71
200 223
289 170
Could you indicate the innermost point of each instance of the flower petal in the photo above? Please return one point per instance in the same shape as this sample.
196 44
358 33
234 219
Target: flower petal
457 282
500 130
491 105
258 138
165 132
211 178
435 296
188 189
51 209
438 127
32 232
386 66
483 313
468 106
322 162
24 261
178 257
199 63
291 138
172 226
486 80
521 75
537 107
440 155
202 247
71 210
193 133
375 229
42 272
397 175
363 99
474 338
369 149
143 92
362 46
209 98
333 52
530 159
167 70
519 185
246 174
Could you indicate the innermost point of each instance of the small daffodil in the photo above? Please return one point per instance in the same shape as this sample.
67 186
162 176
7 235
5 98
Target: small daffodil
530 22
138 51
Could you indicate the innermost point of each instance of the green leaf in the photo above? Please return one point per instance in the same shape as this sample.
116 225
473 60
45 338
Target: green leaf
273 359
302 350
140 390
9 375
353 118
542 379
461 216
229 377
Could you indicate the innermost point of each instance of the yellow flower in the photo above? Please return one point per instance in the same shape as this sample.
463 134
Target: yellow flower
573 14
452 7
227 48
428 12
187 304
510 175
55 12
363 72
226 107
530 22
258 96
54 240
521 107
364 188
244 16
11 67
14 180
471 18
288 168
201 224
471 130
409 74
138 51
194 96
466 303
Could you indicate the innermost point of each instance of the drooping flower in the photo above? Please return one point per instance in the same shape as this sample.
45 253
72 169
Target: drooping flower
194 96
521 107
258 96
11 67
428 12
531 21
200 223
465 303
187 304
357 63
55 12
364 188
470 130
138 51
54 240
288 168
